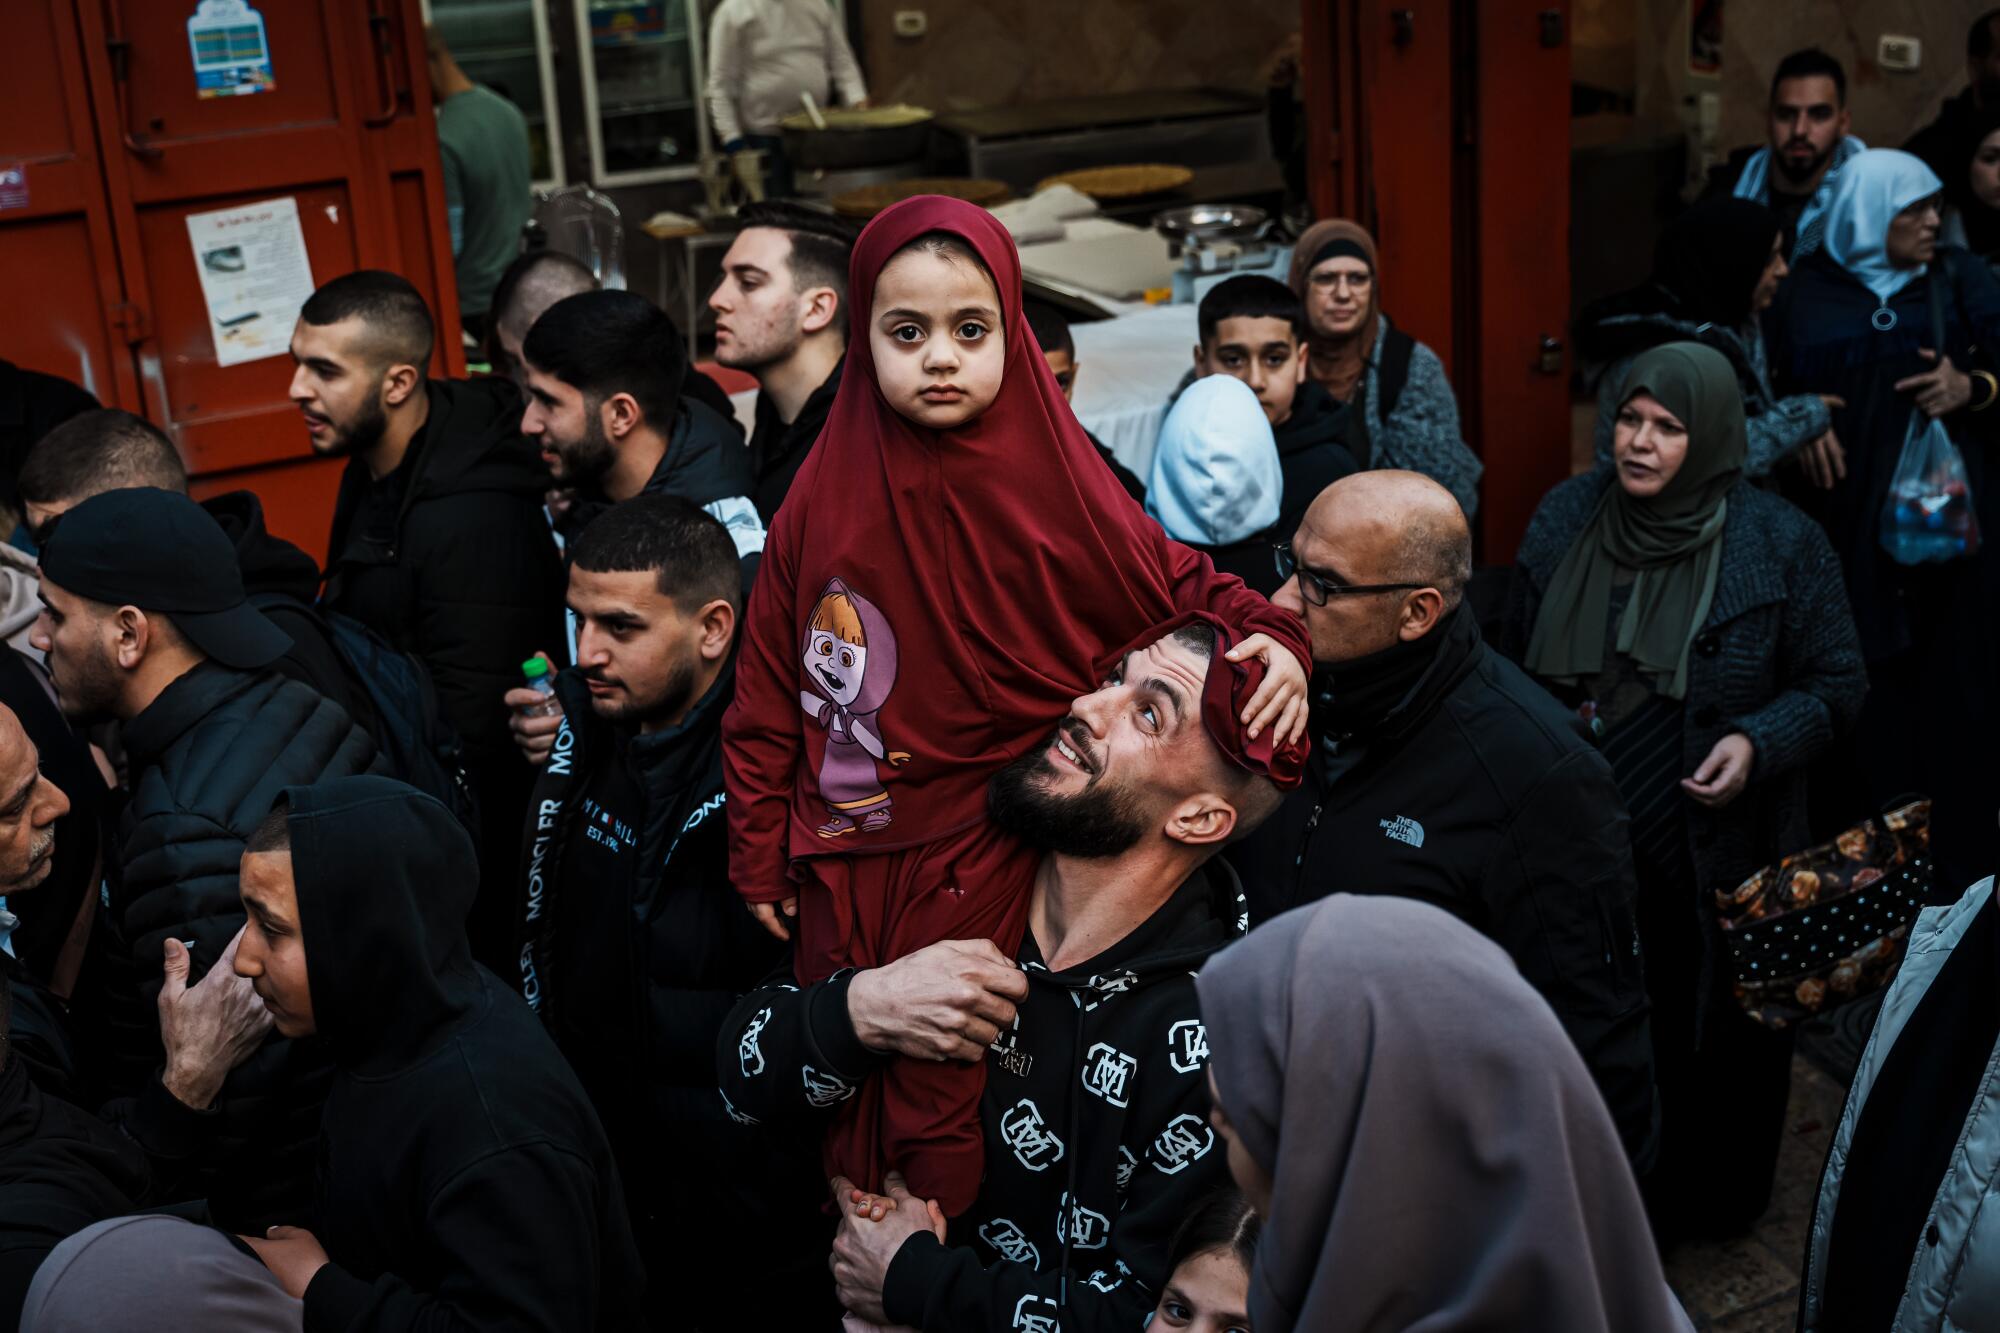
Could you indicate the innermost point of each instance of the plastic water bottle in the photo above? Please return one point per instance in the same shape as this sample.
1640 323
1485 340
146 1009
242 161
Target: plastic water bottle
539 678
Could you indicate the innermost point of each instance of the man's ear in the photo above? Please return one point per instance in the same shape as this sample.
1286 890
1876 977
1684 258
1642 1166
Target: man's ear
718 629
400 382
132 635
1201 820
1301 362
620 415
822 308
1201 369
1422 610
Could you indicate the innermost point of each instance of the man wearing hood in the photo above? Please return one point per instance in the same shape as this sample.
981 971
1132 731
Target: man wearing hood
1095 1111
110 450
465 1181
145 622
1441 772
439 543
1253 328
635 947
606 406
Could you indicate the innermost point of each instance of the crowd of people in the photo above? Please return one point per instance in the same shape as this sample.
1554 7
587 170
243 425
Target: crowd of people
895 865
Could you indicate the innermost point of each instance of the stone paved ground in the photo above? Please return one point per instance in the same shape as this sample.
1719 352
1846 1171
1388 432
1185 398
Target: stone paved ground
1752 1285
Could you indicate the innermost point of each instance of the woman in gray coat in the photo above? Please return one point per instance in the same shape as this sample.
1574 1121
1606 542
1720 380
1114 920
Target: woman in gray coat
1700 628
1402 412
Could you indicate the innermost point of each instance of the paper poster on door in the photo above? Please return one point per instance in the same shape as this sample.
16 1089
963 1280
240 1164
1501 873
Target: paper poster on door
232 55
254 275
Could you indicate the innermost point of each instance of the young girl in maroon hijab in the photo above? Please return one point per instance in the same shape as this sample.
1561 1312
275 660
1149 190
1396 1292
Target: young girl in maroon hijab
952 563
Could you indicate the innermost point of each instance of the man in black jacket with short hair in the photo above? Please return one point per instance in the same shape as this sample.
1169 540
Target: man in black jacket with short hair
606 374
439 542
1441 772
110 450
1253 328
781 314
635 947
145 621
1095 1110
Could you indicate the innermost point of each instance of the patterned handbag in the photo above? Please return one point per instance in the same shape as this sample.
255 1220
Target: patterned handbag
1828 925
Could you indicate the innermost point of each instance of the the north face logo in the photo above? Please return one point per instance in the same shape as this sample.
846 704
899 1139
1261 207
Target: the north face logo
1404 829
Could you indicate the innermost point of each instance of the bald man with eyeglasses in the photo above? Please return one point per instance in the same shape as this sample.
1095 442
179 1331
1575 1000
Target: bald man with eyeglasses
1441 772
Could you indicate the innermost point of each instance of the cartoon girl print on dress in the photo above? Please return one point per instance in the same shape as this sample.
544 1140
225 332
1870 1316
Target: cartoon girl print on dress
849 661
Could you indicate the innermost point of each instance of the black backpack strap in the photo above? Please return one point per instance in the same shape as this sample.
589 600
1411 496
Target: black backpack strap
1394 370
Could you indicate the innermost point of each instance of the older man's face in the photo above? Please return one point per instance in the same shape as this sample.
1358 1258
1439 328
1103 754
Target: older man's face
30 805
1345 541
1126 754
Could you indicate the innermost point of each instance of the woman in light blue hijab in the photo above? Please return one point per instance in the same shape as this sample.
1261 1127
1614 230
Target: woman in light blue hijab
1876 189
1855 321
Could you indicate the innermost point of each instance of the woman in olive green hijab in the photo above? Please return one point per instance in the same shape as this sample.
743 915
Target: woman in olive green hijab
1700 628
1678 451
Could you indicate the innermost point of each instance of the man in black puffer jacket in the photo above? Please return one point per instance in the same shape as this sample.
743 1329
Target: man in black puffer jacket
635 947
110 450
147 623
606 374
439 541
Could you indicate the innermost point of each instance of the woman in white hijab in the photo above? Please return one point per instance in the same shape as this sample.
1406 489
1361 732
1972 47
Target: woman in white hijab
1856 321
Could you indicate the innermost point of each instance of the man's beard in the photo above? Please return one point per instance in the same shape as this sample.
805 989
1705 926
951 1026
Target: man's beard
86 686
778 345
1099 822
674 697
362 434
585 462
1799 175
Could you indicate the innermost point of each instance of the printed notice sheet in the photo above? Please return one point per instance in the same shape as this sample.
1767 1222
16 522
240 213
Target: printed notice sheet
254 275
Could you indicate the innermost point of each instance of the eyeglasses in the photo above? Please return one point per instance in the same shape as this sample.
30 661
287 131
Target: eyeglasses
1316 587
1357 282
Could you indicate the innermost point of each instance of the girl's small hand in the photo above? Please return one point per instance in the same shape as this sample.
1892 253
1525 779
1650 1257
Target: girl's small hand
1279 702
874 1207
767 915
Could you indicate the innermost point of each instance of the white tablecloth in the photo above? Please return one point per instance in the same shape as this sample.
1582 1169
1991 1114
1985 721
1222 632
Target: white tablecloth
1127 369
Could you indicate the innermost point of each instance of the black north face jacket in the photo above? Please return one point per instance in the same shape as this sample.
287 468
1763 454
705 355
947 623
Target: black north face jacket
1095 1117
1479 794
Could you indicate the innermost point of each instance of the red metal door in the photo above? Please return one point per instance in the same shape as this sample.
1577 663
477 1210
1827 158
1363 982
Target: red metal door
70 316
1443 125
1407 162
1515 399
342 81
